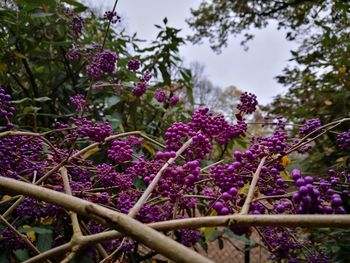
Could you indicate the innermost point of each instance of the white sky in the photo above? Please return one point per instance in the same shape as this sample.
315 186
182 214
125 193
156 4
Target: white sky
251 70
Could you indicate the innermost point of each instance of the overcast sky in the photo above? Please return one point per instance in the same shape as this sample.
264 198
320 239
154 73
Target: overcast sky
253 70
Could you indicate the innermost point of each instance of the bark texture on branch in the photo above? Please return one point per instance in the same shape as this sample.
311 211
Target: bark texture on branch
125 224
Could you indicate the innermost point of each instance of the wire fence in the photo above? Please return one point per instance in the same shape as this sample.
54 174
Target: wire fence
235 251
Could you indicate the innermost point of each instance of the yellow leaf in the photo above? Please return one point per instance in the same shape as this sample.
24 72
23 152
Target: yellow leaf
285 175
3 67
285 161
131 97
340 159
91 151
149 148
6 198
45 8
19 55
47 220
208 230
121 128
30 234
328 102
342 70
244 189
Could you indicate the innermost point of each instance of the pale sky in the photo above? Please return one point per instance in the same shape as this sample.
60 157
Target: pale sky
253 70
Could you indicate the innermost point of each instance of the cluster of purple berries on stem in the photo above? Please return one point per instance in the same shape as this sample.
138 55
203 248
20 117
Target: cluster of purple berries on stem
6 109
248 103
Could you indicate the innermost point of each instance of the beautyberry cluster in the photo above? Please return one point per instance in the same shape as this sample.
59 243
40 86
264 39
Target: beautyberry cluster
133 65
77 24
159 95
120 152
78 102
343 140
94 131
102 63
6 109
112 16
247 103
309 126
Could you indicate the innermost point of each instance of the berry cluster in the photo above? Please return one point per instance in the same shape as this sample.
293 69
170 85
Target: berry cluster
309 126
112 16
77 24
247 103
120 152
94 131
173 100
216 127
102 63
159 95
179 132
78 102
6 109
73 53
140 89
142 86
312 199
343 140
133 65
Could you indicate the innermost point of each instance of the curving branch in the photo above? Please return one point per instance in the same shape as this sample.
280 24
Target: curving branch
149 237
125 224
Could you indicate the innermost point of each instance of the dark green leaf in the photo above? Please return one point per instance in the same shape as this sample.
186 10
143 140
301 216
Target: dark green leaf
39 230
214 235
42 99
21 254
3 257
139 184
41 14
44 241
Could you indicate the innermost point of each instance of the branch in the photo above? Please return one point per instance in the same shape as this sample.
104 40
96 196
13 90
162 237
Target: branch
127 225
24 238
109 24
249 198
304 140
136 208
74 217
20 133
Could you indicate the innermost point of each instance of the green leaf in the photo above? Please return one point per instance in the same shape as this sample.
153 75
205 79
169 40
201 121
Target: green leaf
42 99
79 7
3 257
21 254
203 244
237 237
115 119
21 100
214 235
39 230
139 184
41 14
44 241
111 101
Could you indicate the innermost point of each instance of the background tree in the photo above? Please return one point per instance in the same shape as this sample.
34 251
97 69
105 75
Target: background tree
318 77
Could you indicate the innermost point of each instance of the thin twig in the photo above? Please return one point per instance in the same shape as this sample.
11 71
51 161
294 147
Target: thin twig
74 217
24 238
249 198
146 194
